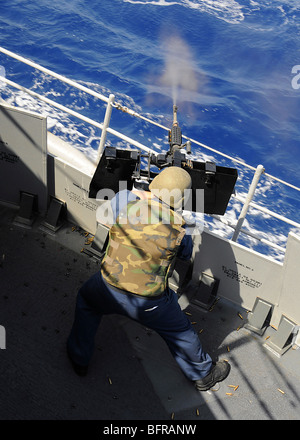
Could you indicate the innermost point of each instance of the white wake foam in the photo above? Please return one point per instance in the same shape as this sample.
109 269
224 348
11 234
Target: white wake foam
227 10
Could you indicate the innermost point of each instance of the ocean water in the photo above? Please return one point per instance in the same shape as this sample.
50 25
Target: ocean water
231 66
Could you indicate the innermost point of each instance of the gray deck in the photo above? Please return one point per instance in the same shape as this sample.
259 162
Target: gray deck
132 375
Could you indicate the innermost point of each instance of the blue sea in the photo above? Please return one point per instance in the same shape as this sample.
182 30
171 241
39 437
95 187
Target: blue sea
231 66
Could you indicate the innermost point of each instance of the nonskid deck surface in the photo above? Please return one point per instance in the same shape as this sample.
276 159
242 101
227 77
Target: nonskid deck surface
132 375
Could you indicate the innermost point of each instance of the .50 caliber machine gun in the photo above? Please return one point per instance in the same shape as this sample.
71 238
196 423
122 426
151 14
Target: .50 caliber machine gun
128 166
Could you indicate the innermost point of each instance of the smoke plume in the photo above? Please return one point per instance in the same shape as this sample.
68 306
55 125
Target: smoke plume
180 71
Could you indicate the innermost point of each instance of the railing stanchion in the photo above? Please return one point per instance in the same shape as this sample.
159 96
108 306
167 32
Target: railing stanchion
106 122
259 170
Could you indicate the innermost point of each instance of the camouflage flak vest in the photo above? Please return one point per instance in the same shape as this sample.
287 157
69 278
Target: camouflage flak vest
142 244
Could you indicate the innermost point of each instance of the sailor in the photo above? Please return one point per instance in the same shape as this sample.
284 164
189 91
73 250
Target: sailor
146 236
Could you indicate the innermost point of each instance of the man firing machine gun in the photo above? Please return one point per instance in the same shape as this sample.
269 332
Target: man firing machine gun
147 233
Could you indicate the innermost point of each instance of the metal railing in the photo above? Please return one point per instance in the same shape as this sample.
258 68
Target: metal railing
110 101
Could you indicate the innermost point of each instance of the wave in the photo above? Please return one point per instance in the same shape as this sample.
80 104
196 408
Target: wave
227 10
276 13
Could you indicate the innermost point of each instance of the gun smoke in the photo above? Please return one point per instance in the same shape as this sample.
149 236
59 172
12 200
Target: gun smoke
180 71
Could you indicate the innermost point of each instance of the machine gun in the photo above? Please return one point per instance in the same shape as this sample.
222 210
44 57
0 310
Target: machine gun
175 137
174 156
126 166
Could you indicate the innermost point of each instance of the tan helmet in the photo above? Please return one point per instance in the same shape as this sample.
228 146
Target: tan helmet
170 185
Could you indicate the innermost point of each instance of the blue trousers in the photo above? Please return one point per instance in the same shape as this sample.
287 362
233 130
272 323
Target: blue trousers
164 315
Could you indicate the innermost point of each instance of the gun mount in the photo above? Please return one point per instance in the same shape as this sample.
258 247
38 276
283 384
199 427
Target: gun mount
119 168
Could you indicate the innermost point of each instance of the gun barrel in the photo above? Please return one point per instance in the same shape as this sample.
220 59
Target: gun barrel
175 132
175 108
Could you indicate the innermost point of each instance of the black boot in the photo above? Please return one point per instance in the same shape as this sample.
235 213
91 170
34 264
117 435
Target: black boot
219 372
